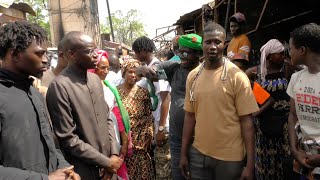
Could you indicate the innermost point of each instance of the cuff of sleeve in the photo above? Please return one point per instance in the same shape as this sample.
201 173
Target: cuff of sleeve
44 177
115 149
104 161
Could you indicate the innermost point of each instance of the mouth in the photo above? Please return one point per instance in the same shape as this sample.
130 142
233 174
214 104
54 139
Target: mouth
132 79
44 69
212 54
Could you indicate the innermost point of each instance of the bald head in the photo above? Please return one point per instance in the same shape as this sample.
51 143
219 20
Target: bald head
75 40
80 49
114 63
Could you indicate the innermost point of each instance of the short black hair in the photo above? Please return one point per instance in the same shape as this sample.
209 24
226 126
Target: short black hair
212 26
143 43
308 36
19 35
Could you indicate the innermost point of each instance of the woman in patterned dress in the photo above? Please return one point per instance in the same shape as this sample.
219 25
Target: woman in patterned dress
272 143
137 102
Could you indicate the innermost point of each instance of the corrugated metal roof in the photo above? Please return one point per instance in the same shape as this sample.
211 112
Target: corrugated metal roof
20 6
23 7
189 16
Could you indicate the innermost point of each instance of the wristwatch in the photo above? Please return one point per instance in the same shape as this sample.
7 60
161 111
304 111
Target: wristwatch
161 128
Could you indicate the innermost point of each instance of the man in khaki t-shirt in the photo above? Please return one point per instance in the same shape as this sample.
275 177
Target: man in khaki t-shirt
218 104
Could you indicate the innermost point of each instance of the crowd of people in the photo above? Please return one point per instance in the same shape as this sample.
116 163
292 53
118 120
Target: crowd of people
201 115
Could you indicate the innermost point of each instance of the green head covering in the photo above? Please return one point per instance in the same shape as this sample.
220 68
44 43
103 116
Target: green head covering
192 41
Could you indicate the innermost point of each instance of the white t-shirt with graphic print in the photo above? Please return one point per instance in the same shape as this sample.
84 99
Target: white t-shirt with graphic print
304 88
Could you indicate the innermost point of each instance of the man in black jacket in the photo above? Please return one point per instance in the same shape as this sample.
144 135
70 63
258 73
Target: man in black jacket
27 150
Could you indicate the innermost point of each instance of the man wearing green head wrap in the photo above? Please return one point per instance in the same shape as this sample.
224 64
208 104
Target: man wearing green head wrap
190 50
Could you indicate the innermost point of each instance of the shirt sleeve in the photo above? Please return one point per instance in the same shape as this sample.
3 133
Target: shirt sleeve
292 82
260 94
245 47
19 174
244 99
164 86
65 127
169 67
189 106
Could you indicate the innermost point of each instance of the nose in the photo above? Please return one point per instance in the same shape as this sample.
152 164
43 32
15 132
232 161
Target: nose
213 46
44 60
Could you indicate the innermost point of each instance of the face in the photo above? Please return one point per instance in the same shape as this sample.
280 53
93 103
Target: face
130 76
33 60
103 68
234 28
213 45
296 54
277 58
189 57
141 56
85 56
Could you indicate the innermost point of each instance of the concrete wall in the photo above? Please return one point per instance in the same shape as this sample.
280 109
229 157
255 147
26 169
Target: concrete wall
73 15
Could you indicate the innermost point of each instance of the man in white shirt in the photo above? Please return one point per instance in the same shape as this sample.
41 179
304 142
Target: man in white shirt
114 75
304 90
144 48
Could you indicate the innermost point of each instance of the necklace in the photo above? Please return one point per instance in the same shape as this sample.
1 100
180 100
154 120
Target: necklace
223 77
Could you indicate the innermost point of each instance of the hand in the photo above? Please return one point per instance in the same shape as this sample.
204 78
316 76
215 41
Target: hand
161 138
74 176
124 150
247 174
184 166
313 160
147 72
115 163
301 158
61 174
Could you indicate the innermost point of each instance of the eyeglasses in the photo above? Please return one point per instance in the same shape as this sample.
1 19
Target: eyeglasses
90 52
183 55
104 68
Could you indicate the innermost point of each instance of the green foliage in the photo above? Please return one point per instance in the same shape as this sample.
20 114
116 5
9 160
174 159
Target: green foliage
126 27
41 18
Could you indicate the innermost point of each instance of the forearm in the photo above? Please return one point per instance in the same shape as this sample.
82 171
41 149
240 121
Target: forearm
124 138
248 134
292 121
293 139
165 97
188 130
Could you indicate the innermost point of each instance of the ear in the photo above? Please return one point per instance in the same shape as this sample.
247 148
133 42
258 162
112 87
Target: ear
69 54
14 54
303 50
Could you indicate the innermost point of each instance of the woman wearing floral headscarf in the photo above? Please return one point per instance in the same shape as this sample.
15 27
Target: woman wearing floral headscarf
272 144
137 102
